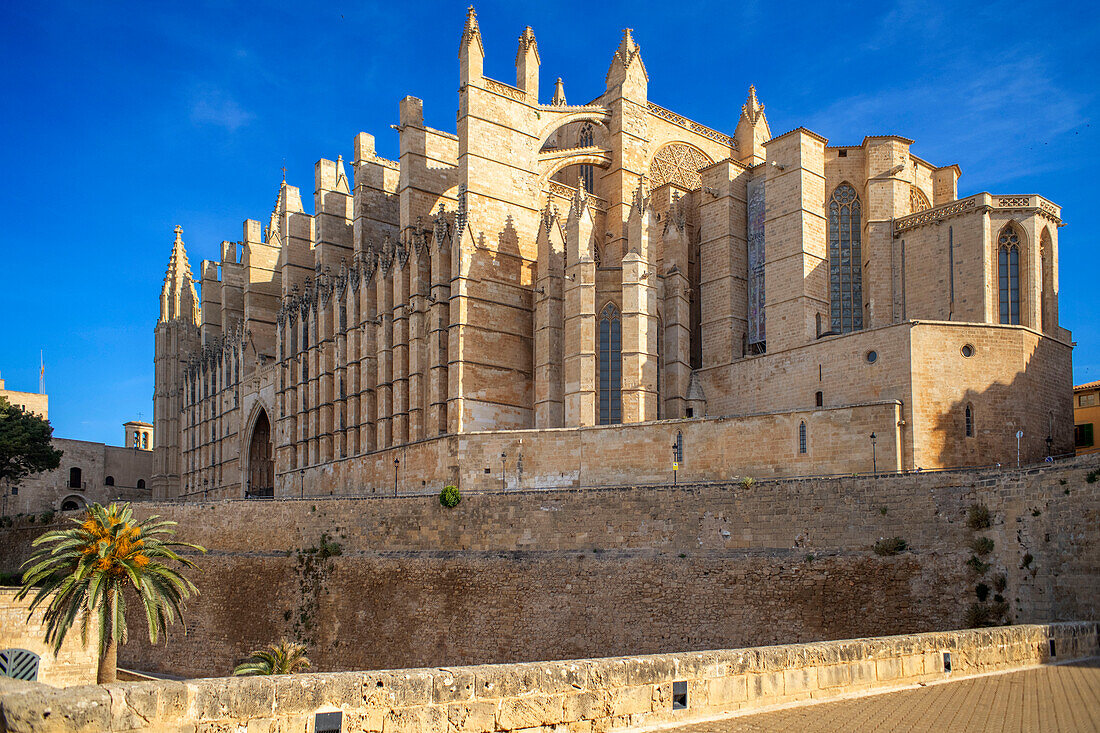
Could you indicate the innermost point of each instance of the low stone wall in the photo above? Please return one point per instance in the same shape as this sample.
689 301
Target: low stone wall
580 695
74 664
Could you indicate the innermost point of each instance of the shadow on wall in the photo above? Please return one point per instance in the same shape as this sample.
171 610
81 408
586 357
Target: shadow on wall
980 427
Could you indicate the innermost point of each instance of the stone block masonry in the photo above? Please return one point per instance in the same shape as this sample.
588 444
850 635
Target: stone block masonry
575 695
588 572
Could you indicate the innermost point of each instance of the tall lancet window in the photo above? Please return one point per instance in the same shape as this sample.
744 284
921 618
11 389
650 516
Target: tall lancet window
586 139
1008 268
845 261
611 366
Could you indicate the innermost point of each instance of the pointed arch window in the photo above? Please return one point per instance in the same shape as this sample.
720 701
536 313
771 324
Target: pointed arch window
845 261
1008 270
584 140
802 437
611 358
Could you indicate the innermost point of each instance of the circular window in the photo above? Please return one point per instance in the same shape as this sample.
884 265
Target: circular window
968 351
872 357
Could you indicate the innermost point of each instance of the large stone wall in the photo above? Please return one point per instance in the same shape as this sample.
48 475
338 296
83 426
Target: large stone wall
564 573
577 695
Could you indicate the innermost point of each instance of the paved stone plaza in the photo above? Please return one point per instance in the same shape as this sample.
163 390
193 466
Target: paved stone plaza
1053 698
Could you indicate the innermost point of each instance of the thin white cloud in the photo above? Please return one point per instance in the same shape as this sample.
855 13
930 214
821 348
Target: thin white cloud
214 107
1002 120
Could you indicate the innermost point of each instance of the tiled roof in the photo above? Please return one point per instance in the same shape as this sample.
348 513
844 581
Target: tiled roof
1087 385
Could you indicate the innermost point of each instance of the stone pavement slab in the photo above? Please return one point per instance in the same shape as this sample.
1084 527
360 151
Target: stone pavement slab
1061 698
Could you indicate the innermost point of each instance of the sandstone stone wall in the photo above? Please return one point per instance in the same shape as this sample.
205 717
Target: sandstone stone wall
577 695
74 664
556 574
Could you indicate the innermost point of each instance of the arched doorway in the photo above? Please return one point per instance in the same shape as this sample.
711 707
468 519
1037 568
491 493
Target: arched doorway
72 503
261 467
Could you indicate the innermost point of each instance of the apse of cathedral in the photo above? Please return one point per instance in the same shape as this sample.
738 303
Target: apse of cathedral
581 288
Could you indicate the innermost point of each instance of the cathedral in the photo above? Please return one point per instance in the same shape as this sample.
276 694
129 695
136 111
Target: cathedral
563 295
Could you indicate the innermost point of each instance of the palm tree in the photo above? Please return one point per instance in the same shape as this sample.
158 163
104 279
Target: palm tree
83 571
286 657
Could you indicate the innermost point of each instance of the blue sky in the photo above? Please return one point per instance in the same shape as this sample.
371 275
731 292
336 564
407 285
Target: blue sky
121 120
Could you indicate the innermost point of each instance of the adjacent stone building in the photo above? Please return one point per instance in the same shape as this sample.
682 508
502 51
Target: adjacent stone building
89 472
1086 414
563 294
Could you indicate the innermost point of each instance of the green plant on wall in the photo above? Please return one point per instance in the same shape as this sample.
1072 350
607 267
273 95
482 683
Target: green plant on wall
314 567
450 496
977 517
981 546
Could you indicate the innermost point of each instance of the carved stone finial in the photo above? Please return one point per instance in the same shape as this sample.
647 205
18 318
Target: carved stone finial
752 109
559 94
580 198
471 31
179 233
527 43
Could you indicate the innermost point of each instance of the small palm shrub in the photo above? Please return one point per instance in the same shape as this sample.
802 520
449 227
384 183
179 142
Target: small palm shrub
890 546
1092 476
285 657
450 496
747 482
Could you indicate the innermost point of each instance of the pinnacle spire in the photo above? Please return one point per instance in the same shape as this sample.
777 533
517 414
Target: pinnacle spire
559 94
471 31
580 198
178 299
527 43
624 57
627 46
752 109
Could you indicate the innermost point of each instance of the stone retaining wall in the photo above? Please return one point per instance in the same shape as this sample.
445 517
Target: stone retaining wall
577 695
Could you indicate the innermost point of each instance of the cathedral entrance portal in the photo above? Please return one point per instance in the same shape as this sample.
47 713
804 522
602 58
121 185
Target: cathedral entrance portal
261 468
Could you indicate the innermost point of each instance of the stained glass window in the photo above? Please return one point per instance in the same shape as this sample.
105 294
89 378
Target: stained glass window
845 261
611 360
1008 267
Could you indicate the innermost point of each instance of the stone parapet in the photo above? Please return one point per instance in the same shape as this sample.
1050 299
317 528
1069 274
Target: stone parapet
603 694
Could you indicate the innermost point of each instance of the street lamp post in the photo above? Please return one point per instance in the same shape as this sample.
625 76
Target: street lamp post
301 483
874 456
503 474
396 463
675 462
1019 434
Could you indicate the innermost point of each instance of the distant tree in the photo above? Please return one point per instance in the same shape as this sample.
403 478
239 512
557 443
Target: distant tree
24 444
286 657
82 573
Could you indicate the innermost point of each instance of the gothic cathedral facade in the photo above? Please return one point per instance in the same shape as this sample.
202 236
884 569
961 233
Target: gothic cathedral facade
593 290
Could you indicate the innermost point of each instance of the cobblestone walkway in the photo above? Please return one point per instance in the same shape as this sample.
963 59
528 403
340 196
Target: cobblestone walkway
1056 698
